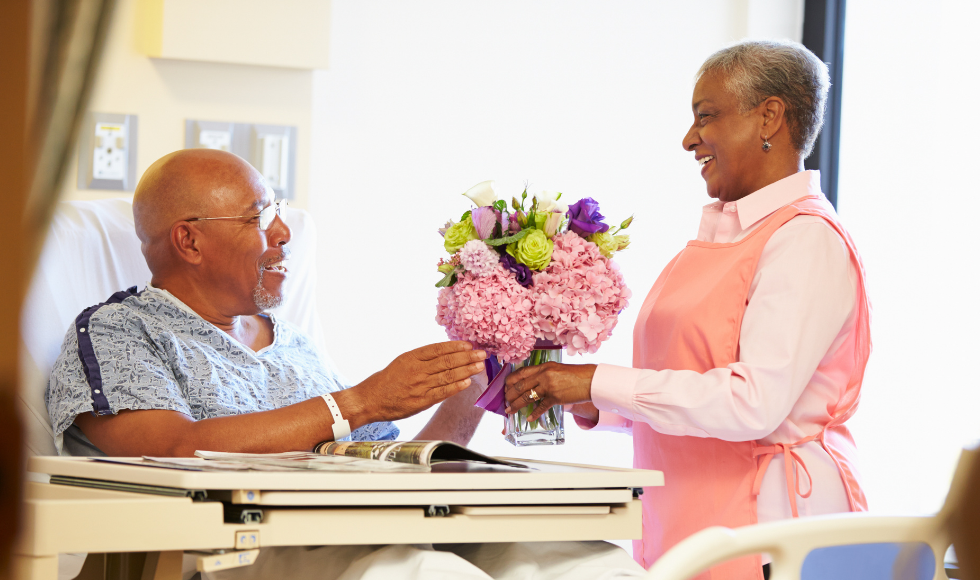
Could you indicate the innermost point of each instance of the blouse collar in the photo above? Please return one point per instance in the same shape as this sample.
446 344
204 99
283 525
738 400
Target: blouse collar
761 203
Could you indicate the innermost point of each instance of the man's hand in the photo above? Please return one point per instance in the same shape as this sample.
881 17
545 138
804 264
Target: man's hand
412 383
457 417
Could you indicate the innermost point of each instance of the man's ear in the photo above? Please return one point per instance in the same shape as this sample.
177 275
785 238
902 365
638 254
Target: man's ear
184 239
773 112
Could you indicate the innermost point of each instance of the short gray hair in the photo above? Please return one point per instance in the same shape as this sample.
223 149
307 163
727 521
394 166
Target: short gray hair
758 69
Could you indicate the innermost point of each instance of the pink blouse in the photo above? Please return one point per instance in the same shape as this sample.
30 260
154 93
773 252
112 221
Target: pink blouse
791 369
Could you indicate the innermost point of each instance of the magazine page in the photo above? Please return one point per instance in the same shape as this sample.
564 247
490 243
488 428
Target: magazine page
412 452
448 451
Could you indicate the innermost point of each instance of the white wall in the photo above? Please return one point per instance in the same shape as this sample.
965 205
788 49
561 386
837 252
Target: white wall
908 194
425 99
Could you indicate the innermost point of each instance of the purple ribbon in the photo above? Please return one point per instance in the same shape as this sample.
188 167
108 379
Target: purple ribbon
493 399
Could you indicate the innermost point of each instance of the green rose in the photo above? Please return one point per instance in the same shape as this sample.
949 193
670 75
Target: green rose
608 245
458 234
533 250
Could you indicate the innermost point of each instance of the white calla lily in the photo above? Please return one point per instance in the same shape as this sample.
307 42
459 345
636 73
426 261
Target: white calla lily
482 194
552 223
548 201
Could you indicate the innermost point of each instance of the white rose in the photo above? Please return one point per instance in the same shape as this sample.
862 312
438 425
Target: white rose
482 194
548 201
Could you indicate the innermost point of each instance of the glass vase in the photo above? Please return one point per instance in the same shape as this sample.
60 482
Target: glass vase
549 429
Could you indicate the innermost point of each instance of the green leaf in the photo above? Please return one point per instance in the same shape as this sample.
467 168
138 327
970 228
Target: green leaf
447 281
466 216
500 205
507 240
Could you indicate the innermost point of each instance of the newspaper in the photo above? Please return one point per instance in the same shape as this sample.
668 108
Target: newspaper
424 453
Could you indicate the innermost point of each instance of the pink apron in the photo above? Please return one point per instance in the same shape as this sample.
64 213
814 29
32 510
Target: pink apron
691 320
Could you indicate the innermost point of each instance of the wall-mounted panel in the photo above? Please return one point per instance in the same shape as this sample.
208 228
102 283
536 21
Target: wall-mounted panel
107 152
271 149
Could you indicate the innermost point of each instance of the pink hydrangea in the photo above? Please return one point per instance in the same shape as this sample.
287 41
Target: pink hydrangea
493 312
478 258
578 298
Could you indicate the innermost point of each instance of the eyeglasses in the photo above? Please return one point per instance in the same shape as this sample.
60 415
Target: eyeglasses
266 216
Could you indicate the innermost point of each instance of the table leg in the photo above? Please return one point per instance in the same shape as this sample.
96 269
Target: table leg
93 569
124 565
35 567
163 565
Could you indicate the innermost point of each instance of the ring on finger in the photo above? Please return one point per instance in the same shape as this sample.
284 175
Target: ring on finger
534 395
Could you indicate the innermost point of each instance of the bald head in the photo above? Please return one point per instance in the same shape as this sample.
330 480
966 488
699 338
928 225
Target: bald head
185 184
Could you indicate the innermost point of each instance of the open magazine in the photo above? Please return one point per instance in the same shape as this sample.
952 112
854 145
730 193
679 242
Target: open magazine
358 456
425 453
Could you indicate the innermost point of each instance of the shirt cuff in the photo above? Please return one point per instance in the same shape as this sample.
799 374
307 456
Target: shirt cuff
612 390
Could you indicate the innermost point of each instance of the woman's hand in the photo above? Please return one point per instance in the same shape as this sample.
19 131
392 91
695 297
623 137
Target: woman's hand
553 383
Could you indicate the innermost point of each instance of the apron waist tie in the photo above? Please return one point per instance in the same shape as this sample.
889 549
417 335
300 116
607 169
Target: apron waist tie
786 449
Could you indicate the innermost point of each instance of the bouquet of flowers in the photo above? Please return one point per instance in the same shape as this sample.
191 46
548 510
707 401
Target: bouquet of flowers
526 281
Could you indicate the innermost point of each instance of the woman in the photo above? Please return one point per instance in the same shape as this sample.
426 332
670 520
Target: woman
749 351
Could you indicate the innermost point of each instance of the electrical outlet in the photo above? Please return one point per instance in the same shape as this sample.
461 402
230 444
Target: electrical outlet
107 152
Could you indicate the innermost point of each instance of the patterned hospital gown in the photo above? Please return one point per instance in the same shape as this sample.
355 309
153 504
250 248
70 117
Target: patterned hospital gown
148 350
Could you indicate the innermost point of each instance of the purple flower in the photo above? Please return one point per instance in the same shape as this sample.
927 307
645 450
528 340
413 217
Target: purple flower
484 219
584 217
521 272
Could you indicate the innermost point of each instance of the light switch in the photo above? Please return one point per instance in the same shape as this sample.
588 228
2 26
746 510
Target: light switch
273 154
107 152
274 164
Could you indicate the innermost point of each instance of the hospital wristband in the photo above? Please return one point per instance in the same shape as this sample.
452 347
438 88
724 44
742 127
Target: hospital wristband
341 428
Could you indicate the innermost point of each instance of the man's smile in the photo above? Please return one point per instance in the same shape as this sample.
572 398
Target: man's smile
277 264
275 267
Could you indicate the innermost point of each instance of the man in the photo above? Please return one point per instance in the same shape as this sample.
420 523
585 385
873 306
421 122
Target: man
194 361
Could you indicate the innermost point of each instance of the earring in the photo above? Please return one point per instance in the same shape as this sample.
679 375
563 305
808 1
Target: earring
765 144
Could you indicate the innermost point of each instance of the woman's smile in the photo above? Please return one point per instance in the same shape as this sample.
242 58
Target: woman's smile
704 162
